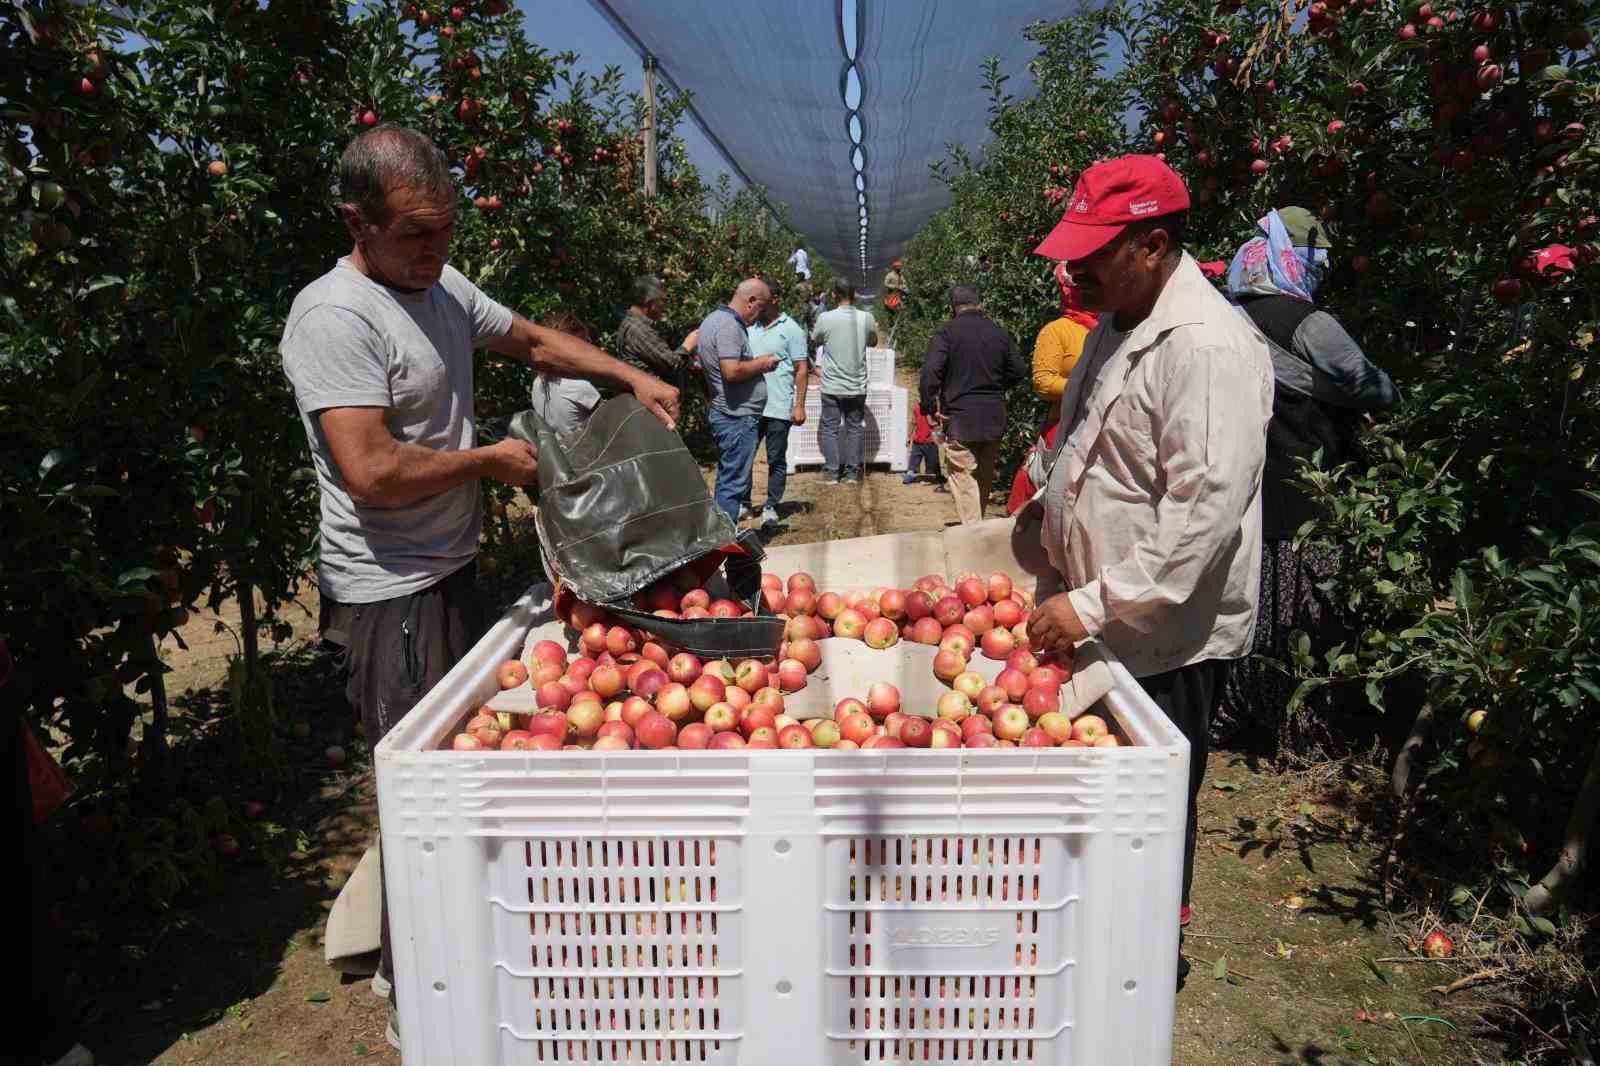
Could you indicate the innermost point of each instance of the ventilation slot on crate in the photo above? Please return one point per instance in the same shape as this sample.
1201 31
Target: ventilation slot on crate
603 1049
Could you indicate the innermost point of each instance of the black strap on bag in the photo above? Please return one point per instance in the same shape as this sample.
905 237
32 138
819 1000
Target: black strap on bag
622 505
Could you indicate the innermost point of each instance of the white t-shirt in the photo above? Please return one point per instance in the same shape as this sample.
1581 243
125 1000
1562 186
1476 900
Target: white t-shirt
351 342
801 264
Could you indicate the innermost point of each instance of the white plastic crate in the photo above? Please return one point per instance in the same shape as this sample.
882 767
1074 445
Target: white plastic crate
886 434
880 368
747 908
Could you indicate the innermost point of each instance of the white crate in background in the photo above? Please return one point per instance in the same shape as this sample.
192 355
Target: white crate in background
751 908
880 367
886 433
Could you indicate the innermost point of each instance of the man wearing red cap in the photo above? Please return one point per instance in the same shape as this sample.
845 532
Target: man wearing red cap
1152 508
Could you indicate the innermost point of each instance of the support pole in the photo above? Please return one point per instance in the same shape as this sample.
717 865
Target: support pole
649 124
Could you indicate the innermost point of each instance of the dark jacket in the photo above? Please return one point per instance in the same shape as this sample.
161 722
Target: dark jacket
1323 384
971 363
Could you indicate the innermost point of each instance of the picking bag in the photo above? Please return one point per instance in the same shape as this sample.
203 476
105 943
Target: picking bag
622 505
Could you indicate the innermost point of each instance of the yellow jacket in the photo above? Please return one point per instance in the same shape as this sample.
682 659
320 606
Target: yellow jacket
1055 353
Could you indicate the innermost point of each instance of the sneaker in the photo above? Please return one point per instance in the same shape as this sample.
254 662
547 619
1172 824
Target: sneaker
746 512
391 1034
769 515
908 479
381 987
852 476
830 477
77 1055
1183 915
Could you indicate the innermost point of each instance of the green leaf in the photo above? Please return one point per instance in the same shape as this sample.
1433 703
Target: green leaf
1307 809
1236 980
1461 895
1219 969
318 997
1377 971
52 459
136 575
1375 694
1543 926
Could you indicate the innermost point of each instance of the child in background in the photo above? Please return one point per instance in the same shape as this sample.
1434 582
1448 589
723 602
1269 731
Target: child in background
924 448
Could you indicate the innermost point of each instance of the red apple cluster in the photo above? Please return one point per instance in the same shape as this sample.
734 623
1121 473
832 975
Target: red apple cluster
626 690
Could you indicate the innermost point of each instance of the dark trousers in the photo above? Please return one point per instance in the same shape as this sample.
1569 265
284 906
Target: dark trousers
737 437
842 435
926 455
39 1030
775 433
394 651
1188 696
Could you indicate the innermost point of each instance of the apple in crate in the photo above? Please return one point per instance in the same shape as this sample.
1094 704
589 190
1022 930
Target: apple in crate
511 674
800 601
695 736
617 729
1022 659
883 699
754 718
878 742
770 698
465 742
849 624
1011 722
808 651
1088 728
553 696
976 724
547 652
612 743
991 699
795 736
725 608
997 643
751 675
954 706
980 619
959 639
694 598
593 639
550 723
707 689
649 682
656 730
926 631
683 668
725 741
791 675
981 740
607 680
972 592
486 727
585 719
1040 701
1034 737
772 581
918 605
774 600
916 732
857 726
802 580
721 717
892 604
949 610
948 665
1008 613
1109 740
944 735
1000 586
825 733
1056 725
736 697
969 683
881 633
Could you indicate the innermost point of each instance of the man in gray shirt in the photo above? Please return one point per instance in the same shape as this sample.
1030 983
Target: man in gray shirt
379 351
846 333
738 390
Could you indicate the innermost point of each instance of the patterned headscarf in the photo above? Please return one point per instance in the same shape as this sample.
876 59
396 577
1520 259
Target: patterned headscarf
1274 265
1070 305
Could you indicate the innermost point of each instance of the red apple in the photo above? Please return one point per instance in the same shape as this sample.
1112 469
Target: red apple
650 681
580 669
1088 728
956 639
593 640
972 592
549 724
927 630
694 736
944 738
791 675
1011 722
948 665
721 717
954 706
1022 659
617 729
683 668
486 727
737 698
1039 701
918 605
802 580
883 742
882 700
829 604
675 701
512 673
707 689
808 651
607 681
801 601
850 624
725 741
893 604
980 619
546 742
545 673
772 581
1438 945
795 736
1108 740
762 737
656 731
516 740
750 675
881 633
997 643
1056 724
694 598
916 733
857 727
620 640
553 695
972 725
969 683
548 651
465 742
1034 737
949 610
656 654
585 720
774 601
980 740
824 732
1007 613
893 722
611 743
992 698
999 586
755 718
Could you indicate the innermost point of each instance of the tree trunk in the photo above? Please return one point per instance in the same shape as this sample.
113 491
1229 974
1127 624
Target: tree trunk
1404 762
248 626
1554 888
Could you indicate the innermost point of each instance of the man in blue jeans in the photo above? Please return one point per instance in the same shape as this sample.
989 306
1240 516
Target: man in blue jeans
738 391
779 335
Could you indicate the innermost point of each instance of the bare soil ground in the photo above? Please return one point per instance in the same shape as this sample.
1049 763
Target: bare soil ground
1287 932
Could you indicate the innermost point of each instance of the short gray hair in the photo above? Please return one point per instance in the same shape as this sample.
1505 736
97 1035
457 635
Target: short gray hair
965 296
386 158
647 289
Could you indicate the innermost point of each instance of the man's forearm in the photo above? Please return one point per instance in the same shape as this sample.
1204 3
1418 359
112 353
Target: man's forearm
564 355
736 370
404 473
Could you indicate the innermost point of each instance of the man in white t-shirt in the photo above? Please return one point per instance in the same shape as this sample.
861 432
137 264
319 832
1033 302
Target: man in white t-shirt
379 351
845 333
801 264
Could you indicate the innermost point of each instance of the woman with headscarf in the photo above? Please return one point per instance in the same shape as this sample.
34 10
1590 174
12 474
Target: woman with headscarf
1055 353
1324 387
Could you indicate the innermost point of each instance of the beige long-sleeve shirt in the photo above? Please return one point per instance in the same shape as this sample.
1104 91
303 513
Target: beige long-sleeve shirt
1152 512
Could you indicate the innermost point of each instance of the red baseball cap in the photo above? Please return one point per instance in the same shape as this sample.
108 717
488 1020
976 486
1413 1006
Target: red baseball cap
1110 195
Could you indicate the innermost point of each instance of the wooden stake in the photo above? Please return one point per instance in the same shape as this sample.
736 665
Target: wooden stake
649 125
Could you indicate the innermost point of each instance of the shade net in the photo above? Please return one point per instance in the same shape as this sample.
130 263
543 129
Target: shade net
774 82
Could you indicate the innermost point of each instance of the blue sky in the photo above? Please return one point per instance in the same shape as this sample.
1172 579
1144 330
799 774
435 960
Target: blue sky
575 26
